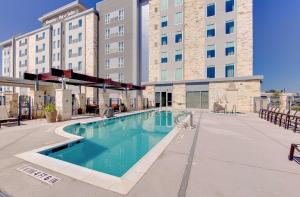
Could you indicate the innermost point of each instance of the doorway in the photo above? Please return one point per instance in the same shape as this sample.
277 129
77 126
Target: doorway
163 99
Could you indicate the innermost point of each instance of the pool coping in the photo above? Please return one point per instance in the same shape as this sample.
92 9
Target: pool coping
121 185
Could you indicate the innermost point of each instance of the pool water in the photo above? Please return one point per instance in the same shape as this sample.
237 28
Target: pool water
113 146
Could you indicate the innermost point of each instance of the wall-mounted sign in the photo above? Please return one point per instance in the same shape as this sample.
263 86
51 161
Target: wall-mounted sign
61 16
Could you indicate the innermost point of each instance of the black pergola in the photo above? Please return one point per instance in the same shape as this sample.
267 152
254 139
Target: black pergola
77 79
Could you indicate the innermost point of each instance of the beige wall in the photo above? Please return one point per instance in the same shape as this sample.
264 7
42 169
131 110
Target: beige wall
154 40
91 50
149 93
179 96
244 46
240 94
194 39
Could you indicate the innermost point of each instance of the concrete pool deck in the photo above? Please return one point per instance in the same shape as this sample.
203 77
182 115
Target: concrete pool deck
234 156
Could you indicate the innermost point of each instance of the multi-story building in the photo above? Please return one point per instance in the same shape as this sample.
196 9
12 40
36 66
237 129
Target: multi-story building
7 63
201 53
66 40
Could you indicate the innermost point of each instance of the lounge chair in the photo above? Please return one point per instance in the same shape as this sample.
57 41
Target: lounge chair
4 117
292 119
272 114
217 108
279 115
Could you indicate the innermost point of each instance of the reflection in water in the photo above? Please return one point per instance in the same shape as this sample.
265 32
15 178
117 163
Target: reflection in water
113 146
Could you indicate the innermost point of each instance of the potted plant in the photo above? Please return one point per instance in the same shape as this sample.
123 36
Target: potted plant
79 110
51 113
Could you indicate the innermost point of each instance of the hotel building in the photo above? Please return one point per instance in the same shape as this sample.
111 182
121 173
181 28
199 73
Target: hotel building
68 39
188 53
201 53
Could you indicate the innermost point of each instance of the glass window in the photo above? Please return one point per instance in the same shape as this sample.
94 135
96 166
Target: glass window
80 22
211 30
70 26
164 75
36 49
164 58
210 10
70 53
178 18
164 21
79 65
44 59
229 48
80 51
178 74
211 52
43 70
36 60
164 39
211 72
163 4
43 35
178 37
80 37
70 39
229 70
229 5
178 2
229 27
36 37
178 55
44 47
70 65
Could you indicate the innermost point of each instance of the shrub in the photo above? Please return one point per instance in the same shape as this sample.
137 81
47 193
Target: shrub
50 108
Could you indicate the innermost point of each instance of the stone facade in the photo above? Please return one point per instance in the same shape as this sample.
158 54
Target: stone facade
194 39
179 97
37 103
244 43
234 94
149 93
154 40
11 104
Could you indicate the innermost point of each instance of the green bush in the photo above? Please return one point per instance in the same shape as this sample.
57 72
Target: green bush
50 108
296 108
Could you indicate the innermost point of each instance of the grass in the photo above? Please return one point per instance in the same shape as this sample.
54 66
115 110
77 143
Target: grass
296 108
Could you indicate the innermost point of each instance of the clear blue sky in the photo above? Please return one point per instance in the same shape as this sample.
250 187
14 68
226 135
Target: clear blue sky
276 34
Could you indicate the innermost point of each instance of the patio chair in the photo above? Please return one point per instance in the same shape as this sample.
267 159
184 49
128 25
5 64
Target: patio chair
291 119
4 117
267 113
295 123
263 111
284 118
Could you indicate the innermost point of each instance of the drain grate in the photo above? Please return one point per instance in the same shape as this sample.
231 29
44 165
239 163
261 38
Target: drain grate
38 174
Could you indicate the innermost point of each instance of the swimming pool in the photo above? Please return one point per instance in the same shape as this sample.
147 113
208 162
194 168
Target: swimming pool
113 146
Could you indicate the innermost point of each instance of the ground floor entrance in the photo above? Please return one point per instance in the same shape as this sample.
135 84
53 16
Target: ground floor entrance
163 99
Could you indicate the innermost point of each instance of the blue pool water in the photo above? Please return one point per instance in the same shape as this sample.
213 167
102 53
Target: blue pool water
115 145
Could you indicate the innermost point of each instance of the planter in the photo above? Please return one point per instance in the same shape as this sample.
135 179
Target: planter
79 111
51 116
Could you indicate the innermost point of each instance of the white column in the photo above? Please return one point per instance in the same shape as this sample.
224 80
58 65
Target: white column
63 99
81 100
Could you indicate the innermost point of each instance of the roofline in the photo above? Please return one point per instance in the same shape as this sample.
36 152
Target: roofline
6 42
86 12
235 79
32 32
61 9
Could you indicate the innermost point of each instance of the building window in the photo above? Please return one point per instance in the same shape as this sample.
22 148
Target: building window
164 21
164 58
121 46
229 70
43 35
58 31
44 59
36 49
229 5
107 33
36 60
178 55
79 37
211 10
79 65
178 74
70 26
54 32
107 18
58 56
54 44
70 66
211 51
229 27
70 39
121 14
178 2
178 18
211 72
36 37
70 53
36 71
43 70
121 30
229 48
107 63
178 37
211 30
164 75
80 22
107 48
164 39
121 62
80 51
58 43
164 4
44 47
53 57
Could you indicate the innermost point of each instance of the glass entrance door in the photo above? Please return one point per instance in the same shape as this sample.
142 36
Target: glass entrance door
163 99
